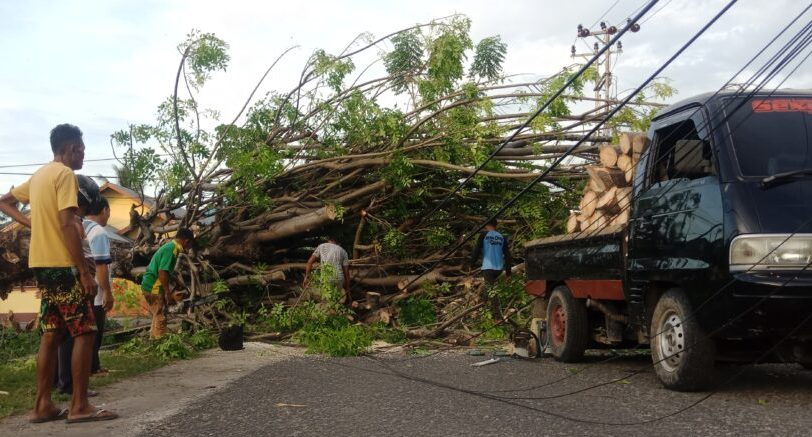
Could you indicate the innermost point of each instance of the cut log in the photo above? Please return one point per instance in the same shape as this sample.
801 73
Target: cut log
373 300
608 202
589 203
624 198
639 143
383 315
624 162
608 155
621 219
625 143
635 158
596 222
628 175
597 187
572 223
606 177
296 225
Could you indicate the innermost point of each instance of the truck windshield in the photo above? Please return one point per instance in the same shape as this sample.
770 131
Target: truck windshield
771 135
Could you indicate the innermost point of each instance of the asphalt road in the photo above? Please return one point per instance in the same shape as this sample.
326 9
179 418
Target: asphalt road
442 395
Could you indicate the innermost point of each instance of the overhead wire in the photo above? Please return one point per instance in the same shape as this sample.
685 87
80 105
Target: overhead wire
572 148
730 321
541 109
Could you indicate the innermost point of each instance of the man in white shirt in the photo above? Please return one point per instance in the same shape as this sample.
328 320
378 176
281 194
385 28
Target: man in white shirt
330 253
96 219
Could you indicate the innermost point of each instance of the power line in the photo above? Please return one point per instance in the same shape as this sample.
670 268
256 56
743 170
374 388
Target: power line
572 148
654 14
803 43
541 109
605 13
31 174
86 160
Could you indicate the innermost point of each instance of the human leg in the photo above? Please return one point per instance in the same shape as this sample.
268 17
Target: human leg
157 310
99 315
80 365
490 277
80 408
64 381
46 366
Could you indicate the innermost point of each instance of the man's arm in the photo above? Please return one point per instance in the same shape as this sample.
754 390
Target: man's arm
508 258
73 241
103 279
163 276
100 248
312 260
477 249
8 206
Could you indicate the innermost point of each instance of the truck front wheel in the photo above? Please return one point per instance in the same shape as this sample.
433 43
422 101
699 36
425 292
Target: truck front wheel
567 326
683 355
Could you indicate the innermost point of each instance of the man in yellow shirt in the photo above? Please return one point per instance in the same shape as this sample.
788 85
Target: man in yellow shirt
55 255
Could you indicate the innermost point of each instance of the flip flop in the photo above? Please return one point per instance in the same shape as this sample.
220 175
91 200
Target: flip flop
62 414
100 415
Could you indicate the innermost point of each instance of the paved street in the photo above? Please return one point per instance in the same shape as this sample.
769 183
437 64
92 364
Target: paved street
443 395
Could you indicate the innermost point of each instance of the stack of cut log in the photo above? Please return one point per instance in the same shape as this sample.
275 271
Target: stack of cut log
608 194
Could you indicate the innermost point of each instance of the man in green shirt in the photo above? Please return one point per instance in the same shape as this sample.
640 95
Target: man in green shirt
156 283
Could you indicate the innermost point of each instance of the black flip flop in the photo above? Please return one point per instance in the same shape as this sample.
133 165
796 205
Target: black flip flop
98 416
62 414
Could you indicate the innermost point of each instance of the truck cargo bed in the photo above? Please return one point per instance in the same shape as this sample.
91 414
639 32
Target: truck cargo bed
584 255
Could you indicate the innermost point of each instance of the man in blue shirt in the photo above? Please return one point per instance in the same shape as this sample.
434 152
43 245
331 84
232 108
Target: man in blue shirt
494 250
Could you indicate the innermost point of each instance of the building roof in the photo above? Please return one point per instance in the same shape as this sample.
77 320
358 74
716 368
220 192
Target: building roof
149 202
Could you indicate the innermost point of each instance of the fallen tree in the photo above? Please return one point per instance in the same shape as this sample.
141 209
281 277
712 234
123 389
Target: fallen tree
360 156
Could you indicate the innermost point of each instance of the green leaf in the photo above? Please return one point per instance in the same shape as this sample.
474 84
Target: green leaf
488 57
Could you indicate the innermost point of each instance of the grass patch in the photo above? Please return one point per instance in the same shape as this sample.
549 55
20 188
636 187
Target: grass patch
417 311
18 375
15 344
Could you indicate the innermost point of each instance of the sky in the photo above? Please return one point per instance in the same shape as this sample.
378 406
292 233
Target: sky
103 64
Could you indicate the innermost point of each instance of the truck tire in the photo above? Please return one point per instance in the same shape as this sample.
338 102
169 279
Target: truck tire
683 355
567 326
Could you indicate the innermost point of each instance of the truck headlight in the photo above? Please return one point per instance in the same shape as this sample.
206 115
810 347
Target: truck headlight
771 252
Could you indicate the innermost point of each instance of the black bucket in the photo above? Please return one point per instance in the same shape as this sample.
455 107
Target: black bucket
231 338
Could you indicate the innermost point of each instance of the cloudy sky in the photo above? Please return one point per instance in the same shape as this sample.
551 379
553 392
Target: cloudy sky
102 64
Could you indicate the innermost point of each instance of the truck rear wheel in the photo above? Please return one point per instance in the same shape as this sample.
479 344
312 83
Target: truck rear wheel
683 355
567 326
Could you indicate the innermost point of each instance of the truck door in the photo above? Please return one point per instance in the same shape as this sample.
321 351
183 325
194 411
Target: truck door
675 231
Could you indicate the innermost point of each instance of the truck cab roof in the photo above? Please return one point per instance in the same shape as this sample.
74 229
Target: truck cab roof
713 96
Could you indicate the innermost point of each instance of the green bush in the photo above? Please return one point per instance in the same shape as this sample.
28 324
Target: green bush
287 319
490 330
336 337
111 324
417 311
202 340
387 333
15 344
171 346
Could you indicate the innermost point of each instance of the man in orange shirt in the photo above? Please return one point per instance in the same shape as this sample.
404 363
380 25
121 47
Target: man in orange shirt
55 255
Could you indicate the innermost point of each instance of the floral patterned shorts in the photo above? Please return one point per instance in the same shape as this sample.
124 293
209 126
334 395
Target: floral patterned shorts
63 305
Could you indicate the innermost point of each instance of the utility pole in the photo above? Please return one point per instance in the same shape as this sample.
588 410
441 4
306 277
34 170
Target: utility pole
604 95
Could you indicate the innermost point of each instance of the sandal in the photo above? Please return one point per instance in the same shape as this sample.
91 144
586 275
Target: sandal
101 373
100 415
62 414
